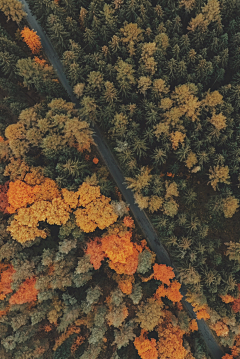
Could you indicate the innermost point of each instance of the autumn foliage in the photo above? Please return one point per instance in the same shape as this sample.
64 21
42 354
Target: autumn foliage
122 253
32 40
94 248
170 340
120 250
163 273
236 303
50 204
220 328
172 292
193 325
128 221
97 211
125 283
26 292
6 272
20 194
227 298
146 348
117 248
95 160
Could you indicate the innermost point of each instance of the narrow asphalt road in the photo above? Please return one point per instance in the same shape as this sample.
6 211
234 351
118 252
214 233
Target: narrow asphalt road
140 217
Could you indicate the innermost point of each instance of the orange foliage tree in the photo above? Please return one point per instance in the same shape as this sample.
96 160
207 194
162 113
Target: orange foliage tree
163 273
146 348
53 205
128 222
202 313
200 308
193 325
227 298
71 330
170 339
32 40
125 283
26 292
220 328
118 248
172 292
94 248
6 271
20 195
122 253
39 61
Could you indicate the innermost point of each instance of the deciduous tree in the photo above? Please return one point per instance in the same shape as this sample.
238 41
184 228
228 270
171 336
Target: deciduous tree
146 348
26 292
6 272
13 9
32 40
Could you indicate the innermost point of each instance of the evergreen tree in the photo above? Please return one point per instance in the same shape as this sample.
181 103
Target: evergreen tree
58 35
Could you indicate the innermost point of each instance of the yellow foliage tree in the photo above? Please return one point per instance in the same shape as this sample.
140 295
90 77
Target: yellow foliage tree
98 212
155 203
141 181
230 205
219 174
218 121
55 206
131 35
70 198
176 137
57 212
48 190
13 10
191 160
210 13
88 193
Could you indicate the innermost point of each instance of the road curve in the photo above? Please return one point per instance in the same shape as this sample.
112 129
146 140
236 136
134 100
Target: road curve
140 216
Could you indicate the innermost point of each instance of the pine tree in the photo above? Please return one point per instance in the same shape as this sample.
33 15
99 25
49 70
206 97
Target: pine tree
58 35
8 65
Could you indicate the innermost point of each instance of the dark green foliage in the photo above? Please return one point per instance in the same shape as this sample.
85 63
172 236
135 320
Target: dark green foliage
7 65
57 33
64 351
67 167
43 79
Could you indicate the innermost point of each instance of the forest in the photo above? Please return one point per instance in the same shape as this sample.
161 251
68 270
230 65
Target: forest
161 79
